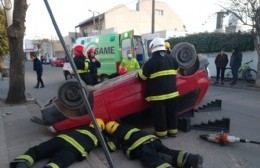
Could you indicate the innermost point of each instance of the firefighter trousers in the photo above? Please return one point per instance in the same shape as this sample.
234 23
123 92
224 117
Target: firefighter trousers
59 151
152 154
164 115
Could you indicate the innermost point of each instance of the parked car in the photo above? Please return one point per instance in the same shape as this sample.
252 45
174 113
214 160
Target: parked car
57 62
123 96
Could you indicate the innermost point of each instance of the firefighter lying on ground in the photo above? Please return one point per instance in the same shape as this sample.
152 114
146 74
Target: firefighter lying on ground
138 144
63 150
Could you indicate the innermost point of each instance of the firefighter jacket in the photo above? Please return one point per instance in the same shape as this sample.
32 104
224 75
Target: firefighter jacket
129 138
82 64
130 64
81 141
160 73
94 64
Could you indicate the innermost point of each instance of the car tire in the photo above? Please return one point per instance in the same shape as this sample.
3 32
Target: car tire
185 55
69 94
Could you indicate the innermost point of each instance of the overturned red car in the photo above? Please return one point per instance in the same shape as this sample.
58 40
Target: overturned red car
124 95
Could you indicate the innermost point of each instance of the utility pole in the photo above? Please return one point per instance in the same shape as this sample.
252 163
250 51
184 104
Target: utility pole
94 22
98 26
153 6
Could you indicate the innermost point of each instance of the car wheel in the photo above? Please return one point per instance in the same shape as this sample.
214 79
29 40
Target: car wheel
70 96
185 54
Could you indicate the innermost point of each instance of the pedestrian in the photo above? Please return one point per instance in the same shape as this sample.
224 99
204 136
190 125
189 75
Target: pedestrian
221 62
149 149
62 150
82 64
159 71
168 48
130 63
37 67
93 65
235 63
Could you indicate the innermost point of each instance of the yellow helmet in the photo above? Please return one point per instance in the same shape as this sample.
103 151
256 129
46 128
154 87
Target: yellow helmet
100 124
111 127
167 45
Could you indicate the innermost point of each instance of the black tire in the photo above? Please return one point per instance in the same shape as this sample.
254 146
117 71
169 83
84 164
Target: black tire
250 76
228 76
70 96
185 54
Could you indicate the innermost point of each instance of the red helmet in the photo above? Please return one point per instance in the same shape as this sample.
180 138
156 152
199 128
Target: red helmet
91 50
122 71
78 50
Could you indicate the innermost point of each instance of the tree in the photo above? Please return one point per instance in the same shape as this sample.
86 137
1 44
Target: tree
248 13
15 32
4 48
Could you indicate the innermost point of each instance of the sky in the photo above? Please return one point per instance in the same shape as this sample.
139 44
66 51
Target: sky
197 15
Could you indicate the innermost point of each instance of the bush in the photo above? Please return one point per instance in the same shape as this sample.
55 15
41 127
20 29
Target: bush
214 42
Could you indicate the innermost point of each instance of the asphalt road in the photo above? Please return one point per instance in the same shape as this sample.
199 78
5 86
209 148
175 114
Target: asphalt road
239 105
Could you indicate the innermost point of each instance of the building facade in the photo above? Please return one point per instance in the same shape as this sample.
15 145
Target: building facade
121 18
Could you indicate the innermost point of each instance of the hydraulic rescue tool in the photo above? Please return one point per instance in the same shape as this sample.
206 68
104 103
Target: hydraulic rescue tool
224 139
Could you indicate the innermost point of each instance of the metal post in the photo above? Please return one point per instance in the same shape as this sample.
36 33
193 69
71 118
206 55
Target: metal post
83 90
94 22
99 30
153 6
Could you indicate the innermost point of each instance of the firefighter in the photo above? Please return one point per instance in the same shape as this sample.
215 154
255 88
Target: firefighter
94 65
82 64
138 144
160 73
63 149
168 47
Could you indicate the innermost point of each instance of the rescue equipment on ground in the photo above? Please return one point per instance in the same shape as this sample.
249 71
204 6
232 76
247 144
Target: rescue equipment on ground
224 139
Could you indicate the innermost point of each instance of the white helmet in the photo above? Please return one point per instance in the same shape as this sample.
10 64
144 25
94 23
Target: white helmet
157 44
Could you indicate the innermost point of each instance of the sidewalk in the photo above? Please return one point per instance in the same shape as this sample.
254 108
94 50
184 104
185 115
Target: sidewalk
18 133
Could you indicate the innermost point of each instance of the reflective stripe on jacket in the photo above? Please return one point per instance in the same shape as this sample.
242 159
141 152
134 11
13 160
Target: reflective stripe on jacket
160 73
86 69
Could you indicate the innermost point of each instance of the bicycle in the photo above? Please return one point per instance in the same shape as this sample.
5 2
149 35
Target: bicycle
244 72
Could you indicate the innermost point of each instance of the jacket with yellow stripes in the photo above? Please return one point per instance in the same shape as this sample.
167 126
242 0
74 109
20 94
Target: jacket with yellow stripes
129 138
83 140
160 73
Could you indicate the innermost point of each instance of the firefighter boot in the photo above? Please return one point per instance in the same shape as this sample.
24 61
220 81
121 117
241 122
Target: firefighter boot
188 160
19 164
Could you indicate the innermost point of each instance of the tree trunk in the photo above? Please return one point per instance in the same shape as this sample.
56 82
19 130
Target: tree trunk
15 32
257 46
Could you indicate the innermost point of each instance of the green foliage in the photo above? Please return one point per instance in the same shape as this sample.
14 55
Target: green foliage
214 42
4 47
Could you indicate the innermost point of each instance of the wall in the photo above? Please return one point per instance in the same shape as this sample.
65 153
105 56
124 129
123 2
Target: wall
122 19
247 56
